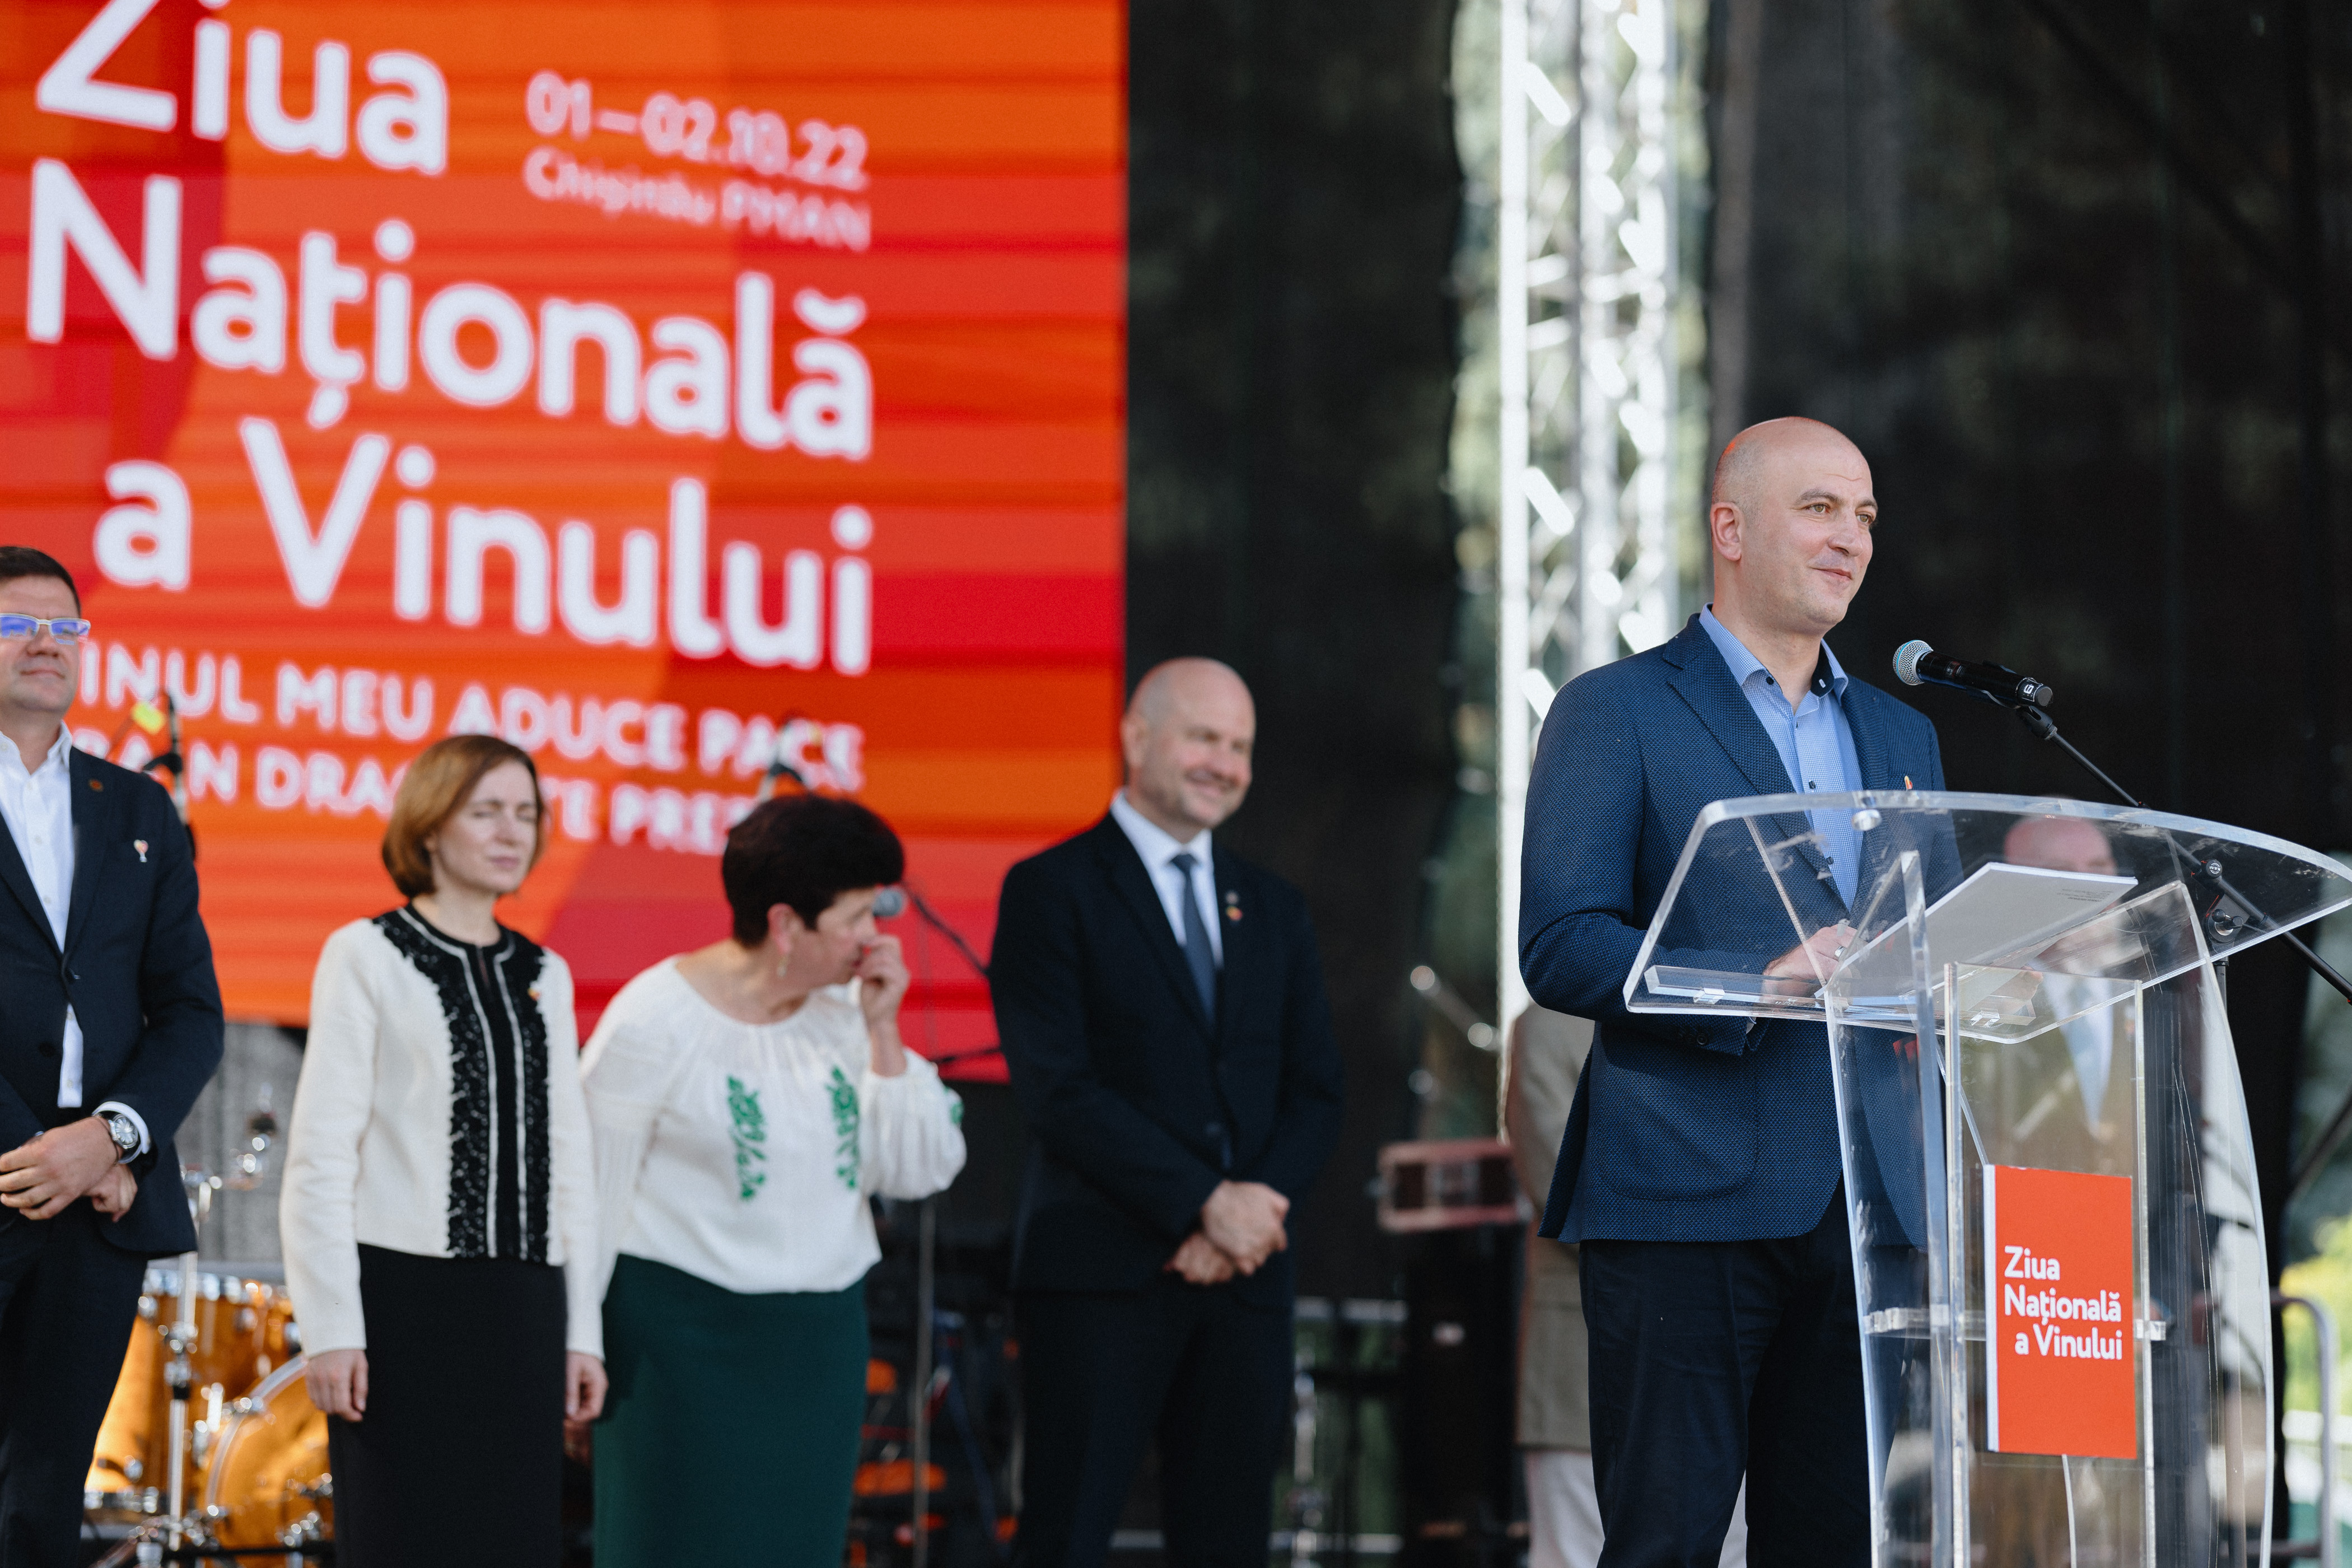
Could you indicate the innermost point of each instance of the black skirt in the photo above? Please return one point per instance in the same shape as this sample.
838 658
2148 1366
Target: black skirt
458 1461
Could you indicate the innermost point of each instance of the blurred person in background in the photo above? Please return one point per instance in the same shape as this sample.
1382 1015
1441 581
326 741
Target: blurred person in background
2070 1096
1555 1420
747 1099
2065 1098
109 1026
1161 1007
438 1214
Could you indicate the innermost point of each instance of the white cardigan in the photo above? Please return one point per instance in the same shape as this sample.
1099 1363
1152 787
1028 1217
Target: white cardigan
744 1154
391 1143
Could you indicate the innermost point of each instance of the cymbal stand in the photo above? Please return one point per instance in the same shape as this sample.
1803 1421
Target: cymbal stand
179 1377
178 1373
178 1529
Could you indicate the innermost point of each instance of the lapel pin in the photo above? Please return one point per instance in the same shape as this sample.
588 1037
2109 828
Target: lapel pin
1232 905
97 783
141 845
1907 781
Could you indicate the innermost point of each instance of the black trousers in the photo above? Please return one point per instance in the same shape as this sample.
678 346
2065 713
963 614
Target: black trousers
67 1301
1713 1359
1102 1375
459 1460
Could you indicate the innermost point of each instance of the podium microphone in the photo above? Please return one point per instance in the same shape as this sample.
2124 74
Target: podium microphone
1916 663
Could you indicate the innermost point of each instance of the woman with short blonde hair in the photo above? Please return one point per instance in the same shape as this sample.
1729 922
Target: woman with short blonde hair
438 1214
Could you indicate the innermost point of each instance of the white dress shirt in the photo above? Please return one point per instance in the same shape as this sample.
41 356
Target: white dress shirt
37 805
1158 849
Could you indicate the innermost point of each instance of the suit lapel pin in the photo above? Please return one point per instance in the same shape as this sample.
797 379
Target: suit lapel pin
1232 905
98 783
141 845
1907 781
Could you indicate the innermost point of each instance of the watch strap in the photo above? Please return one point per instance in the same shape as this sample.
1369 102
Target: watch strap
125 1134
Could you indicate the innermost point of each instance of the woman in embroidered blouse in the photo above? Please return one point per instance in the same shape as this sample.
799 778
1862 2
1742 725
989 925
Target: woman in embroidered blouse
438 1214
748 1098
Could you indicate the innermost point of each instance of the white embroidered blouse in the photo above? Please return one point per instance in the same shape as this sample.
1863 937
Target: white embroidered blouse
744 1154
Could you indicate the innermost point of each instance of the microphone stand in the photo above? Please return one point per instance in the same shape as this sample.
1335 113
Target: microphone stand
919 1396
2209 872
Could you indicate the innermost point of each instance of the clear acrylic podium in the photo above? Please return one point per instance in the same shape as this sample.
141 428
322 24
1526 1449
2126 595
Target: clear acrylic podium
2053 1035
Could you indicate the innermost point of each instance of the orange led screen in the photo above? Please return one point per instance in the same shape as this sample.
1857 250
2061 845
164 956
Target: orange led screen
662 386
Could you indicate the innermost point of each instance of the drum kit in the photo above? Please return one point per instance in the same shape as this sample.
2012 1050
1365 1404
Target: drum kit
211 1445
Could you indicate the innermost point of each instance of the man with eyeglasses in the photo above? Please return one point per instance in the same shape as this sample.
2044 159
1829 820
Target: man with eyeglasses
109 1026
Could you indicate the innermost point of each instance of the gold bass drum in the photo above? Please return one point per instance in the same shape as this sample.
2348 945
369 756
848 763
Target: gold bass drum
244 1329
267 1484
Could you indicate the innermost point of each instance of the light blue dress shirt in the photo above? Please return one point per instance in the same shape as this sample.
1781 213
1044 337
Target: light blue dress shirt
1815 744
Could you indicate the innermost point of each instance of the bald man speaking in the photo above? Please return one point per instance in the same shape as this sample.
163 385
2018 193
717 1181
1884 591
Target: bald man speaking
1161 1007
1700 1171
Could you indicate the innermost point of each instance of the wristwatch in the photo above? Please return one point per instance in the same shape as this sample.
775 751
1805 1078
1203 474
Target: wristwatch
125 1134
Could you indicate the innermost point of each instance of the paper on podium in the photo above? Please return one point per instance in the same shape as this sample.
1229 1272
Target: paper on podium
2001 910
2005 911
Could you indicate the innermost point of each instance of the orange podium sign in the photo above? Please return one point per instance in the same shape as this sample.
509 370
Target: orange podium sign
2061 1375
662 386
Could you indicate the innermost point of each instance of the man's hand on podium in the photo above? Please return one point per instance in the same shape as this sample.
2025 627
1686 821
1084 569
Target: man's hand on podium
1815 957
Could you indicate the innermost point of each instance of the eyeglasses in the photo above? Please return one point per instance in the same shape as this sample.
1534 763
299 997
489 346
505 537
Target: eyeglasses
23 628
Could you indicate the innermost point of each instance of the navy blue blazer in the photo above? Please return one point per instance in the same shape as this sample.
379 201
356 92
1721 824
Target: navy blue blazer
136 968
1140 1101
1684 1129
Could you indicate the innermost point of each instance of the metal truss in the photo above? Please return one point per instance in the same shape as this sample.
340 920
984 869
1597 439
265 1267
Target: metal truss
1587 284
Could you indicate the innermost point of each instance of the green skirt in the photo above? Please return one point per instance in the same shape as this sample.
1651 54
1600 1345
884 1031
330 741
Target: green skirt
731 1431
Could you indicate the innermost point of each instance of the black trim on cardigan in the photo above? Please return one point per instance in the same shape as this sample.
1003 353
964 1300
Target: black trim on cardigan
474 1133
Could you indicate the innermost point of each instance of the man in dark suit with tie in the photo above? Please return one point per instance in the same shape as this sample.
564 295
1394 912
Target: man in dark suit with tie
109 1026
1700 1171
1161 1007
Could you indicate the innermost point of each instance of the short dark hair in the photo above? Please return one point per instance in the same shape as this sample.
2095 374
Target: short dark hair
804 851
24 560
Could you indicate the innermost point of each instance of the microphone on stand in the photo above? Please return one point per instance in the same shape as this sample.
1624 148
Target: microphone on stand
780 766
175 760
1915 664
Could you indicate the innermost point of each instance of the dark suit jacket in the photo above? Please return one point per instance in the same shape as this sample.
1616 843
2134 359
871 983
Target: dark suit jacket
137 969
1139 1101
1685 1129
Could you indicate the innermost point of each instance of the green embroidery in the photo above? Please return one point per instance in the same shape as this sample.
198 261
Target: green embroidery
844 1127
750 1131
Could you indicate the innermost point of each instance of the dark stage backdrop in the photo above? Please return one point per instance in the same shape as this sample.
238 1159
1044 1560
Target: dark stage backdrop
2072 274
1293 191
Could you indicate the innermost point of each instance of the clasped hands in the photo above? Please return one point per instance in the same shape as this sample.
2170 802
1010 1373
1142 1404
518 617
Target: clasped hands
40 1177
1241 1227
